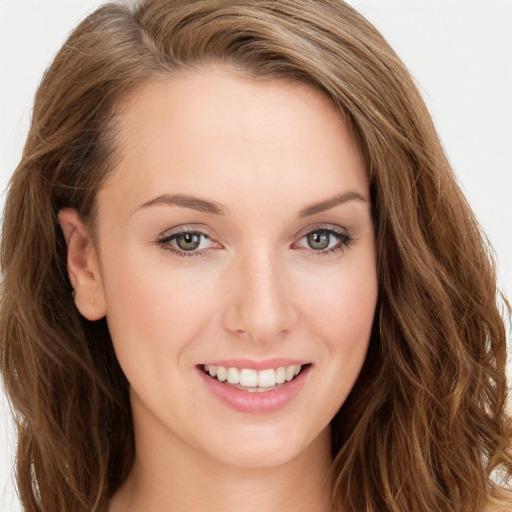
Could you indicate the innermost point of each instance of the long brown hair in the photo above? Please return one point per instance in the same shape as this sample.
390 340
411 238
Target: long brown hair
424 427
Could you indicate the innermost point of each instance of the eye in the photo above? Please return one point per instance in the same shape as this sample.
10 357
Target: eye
324 240
319 240
187 242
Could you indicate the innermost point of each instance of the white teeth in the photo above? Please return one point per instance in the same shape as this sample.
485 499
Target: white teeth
233 376
222 373
252 379
248 378
289 372
267 378
281 375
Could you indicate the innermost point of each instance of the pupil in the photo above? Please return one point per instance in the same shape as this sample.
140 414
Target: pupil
188 241
318 240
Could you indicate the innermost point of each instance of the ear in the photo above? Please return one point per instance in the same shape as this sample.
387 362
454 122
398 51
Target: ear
83 267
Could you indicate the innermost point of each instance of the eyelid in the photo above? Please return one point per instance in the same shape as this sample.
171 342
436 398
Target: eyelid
185 228
319 227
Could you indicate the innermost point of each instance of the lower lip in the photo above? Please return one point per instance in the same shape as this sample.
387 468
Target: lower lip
257 402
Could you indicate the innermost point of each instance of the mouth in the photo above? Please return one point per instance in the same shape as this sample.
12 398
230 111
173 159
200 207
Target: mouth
255 387
251 380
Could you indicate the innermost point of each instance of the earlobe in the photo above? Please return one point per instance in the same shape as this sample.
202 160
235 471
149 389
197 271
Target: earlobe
83 267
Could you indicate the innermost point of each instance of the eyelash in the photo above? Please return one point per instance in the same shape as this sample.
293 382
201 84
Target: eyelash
343 237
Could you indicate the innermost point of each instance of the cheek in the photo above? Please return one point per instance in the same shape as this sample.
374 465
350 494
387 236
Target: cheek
338 317
155 310
343 308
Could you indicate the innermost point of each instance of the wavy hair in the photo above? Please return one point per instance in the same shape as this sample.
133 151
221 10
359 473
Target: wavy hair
424 427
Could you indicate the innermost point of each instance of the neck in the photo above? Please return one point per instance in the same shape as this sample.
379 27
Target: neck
174 476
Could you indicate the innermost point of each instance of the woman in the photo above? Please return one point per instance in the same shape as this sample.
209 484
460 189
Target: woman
261 285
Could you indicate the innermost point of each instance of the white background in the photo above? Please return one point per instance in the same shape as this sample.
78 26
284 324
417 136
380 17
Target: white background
460 52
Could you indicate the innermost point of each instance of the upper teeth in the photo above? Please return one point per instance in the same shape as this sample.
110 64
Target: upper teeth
253 378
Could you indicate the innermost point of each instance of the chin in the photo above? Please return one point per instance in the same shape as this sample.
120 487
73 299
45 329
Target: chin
266 447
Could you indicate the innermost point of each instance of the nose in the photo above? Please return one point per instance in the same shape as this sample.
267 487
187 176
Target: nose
259 299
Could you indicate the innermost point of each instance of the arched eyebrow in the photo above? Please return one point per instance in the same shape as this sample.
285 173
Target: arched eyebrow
331 203
185 201
201 205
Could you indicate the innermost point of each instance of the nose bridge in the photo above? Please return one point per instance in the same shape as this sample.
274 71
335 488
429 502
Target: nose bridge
260 303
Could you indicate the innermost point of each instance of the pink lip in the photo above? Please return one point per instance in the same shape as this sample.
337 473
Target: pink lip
251 364
245 401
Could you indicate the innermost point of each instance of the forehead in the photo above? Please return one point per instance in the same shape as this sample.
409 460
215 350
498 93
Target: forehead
208 97
213 127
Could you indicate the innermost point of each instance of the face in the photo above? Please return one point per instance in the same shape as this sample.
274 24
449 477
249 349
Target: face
235 238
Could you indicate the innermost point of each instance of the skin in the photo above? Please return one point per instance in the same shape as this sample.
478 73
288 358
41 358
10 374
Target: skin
264 152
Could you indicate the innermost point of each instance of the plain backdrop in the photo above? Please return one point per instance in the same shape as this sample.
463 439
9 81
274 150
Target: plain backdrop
459 51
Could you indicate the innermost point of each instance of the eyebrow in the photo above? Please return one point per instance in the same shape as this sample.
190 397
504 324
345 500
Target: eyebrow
331 203
210 207
185 201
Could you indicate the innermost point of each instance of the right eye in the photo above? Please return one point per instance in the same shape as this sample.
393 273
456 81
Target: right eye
187 243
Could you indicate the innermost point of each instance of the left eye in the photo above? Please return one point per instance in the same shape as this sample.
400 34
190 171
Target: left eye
324 240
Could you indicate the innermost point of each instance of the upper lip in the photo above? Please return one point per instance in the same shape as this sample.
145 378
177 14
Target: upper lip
253 364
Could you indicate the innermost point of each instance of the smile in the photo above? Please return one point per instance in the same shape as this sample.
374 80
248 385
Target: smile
255 390
251 380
